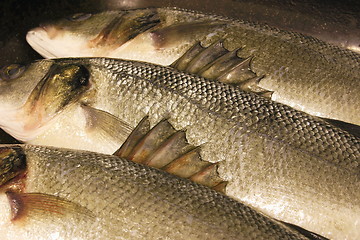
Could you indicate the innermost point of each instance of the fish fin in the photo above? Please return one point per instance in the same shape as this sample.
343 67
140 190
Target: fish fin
151 141
266 94
349 127
125 27
165 148
182 62
170 149
104 123
187 164
221 187
139 132
208 176
25 204
252 85
304 232
217 63
238 73
176 34
205 57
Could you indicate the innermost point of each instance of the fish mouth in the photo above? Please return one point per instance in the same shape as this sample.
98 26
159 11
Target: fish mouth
38 39
46 41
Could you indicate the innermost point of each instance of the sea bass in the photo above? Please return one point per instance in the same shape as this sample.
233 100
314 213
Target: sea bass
52 193
292 166
299 71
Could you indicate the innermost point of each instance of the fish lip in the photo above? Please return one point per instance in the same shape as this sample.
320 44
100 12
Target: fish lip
34 36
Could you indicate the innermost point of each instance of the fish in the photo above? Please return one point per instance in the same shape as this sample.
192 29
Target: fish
291 166
297 70
55 193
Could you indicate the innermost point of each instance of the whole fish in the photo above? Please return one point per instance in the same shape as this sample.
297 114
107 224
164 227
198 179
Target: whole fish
51 193
297 70
292 166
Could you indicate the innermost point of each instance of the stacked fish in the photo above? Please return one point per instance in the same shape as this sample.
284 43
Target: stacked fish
217 140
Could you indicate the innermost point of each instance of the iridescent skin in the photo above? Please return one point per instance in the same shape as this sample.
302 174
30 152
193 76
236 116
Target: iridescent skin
113 198
303 72
286 163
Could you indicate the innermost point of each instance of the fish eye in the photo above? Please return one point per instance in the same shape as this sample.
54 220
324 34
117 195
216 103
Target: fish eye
79 17
82 76
11 71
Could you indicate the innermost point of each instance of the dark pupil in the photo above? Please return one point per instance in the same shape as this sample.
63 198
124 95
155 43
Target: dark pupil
12 71
82 76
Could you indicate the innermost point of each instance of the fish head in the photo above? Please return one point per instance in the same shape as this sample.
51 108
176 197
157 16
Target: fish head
90 35
33 95
12 168
30 206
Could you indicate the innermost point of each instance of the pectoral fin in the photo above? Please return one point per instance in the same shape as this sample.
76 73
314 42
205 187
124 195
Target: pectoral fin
165 148
42 205
105 124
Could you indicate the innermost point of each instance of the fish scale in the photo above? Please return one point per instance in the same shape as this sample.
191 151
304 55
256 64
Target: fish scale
119 199
290 165
251 136
298 70
235 102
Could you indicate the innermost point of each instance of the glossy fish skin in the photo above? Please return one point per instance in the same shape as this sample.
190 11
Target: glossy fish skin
303 72
290 165
124 200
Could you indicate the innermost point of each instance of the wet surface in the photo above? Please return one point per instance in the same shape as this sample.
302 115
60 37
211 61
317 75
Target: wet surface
337 22
333 21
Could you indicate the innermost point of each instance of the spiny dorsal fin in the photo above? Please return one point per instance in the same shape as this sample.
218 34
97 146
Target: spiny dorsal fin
169 150
187 164
217 63
165 148
148 144
139 132
182 62
205 57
